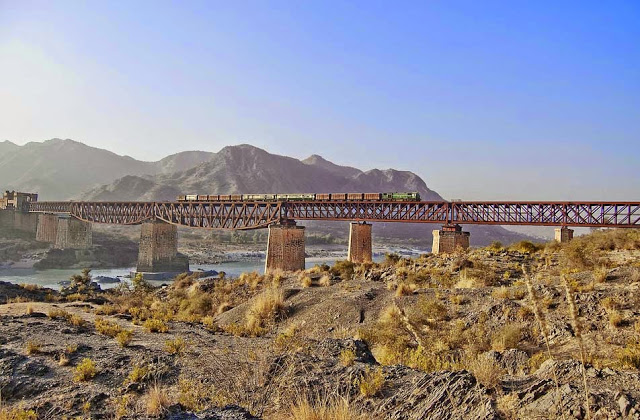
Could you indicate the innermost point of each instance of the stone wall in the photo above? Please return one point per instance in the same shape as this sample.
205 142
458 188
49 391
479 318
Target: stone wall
360 243
563 234
449 239
285 248
158 250
7 218
27 222
73 234
47 230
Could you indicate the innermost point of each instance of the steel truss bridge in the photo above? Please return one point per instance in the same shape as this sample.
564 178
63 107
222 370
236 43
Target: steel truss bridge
245 215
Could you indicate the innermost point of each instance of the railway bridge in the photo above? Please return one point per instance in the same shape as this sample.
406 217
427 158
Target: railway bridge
67 224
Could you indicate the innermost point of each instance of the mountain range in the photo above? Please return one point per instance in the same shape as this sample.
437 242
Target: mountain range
65 169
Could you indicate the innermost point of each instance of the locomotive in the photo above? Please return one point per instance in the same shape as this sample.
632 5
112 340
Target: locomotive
388 196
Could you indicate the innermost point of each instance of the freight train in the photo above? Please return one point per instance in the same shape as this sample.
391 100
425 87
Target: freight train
390 196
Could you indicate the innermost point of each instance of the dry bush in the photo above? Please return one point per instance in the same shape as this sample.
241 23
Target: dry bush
629 356
507 337
512 293
223 307
305 281
85 370
16 413
507 405
267 308
429 308
526 247
325 280
56 313
176 346
610 303
29 310
155 326
77 321
122 406
156 401
210 323
371 382
405 289
600 274
32 347
63 359
106 327
347 357
343 269
486 370
124 337
138 374
459 299
615 318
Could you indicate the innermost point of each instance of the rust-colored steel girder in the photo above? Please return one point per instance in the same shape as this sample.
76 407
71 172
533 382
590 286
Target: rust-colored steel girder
242 215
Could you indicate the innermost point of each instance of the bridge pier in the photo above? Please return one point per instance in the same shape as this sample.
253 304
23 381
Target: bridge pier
7 219
449 239
564 234
158 250
73 234
285 247
47 229
26 222
360 242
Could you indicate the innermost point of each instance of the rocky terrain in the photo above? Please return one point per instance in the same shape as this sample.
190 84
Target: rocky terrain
521 332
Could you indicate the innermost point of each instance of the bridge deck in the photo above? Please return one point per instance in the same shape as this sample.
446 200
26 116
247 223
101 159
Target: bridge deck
259 214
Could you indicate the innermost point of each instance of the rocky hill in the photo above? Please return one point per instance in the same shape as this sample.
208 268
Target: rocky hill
60 169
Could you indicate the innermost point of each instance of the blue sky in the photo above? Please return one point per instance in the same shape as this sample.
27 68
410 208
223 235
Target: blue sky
484 100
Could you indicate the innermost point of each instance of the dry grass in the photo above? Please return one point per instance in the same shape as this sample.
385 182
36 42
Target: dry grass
487 371
156 326
616 319
138 374
106 327
266 309
371 382
77 321
32 347
404 289
325 280
63 359
507 405
16 413
347 357
124 338
156 401
305 281
29 310
85 371
177 346
507 338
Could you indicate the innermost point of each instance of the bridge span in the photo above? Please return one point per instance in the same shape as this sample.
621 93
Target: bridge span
68 223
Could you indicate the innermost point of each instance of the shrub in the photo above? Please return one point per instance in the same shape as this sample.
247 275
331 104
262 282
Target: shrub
496 246
156 401
371 382
537 360
600 274
85 370
29 310
404 289
486 370
507 338
32 347
124 337
305 281
268 307
629 356
56 313
615 318
76 320
138 374
347 357
106 327
210 323
176 346
63 360
610 303
526 247
155 326
16 413
325 280
343 269
323 409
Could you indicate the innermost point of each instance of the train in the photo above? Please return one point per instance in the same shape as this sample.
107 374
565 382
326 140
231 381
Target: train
387 196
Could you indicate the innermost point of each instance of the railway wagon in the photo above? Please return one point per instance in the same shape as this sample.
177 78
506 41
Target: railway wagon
388 196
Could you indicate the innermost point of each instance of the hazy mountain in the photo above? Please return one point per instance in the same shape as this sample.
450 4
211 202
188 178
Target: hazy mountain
248 169
60 169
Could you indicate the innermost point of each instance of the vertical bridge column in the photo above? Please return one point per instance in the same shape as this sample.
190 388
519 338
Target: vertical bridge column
47 230
73 234
449 239
285 247
564 234
159 249
360 242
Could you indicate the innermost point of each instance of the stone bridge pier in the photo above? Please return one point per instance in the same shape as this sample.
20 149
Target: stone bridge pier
285 247
449 239
360 247
64 232
563 234
158 250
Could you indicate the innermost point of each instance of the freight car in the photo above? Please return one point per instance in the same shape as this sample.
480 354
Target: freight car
389 196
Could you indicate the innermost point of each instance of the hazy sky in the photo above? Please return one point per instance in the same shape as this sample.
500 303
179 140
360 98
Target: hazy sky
483 99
